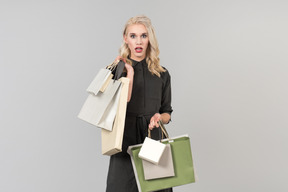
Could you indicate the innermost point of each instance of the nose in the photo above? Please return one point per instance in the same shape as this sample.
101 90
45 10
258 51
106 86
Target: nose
139 41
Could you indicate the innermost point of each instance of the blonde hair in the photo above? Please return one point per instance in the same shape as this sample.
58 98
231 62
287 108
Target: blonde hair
152 52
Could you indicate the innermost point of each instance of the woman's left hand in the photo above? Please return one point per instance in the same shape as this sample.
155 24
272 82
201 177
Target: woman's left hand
154 121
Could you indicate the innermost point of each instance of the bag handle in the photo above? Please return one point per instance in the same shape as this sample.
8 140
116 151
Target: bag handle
162 129
112 66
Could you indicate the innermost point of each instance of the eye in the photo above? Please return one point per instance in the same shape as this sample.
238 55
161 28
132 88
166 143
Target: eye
144 36
132 36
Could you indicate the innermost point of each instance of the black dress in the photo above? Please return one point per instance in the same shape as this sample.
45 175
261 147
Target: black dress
150 94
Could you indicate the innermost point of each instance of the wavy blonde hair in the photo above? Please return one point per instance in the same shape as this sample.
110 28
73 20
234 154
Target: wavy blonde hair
152 52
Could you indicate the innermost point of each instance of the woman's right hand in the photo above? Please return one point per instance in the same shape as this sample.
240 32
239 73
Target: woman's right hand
128 67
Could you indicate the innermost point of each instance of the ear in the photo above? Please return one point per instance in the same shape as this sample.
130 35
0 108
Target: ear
125 38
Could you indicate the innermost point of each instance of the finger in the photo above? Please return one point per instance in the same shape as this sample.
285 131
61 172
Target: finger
116 60
120 58
158 117
157 124
150 126
152 119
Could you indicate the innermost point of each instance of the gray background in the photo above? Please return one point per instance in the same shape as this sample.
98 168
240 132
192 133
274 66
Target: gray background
228 62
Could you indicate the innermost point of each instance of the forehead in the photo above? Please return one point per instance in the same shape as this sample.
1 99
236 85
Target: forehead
136 28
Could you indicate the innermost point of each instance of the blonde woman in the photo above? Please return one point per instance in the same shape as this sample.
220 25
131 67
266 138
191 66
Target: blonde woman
149 98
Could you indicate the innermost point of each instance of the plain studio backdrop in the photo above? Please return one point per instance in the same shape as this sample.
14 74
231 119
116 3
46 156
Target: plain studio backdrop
228 63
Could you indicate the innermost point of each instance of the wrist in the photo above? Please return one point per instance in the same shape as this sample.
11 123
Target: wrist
130 72
159 116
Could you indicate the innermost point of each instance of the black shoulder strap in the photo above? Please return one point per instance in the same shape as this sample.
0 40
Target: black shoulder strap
119 69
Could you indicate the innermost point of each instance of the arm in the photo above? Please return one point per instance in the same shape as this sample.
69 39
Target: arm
165 110
130 76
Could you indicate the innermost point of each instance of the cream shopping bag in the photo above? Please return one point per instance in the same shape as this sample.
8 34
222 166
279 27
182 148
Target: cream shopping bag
112 140
164 168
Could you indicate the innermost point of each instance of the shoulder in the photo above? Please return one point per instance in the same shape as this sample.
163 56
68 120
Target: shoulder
165 74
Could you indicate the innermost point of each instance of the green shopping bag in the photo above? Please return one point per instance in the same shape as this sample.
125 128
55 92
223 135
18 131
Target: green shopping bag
182 160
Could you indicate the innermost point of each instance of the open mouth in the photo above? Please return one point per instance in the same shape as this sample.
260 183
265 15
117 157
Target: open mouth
138 49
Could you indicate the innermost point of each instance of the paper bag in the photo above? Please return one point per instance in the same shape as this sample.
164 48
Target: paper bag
112 140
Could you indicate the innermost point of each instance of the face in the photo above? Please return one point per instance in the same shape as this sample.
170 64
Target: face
137 41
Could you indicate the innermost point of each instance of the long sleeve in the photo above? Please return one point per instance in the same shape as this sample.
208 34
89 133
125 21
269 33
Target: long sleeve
166 94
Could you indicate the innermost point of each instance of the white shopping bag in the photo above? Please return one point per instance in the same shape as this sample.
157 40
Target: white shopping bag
151 150
100 109
100 81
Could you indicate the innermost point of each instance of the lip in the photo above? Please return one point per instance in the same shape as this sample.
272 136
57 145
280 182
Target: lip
138 49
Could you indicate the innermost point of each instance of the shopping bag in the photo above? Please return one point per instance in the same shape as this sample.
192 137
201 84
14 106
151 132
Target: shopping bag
182 161
100 82
164 168
112 140
101 105
151 150
100 109
106 83
104 76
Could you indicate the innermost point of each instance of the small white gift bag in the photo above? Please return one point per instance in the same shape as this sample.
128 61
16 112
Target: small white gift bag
152 150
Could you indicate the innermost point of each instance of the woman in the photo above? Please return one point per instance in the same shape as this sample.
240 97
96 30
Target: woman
149 99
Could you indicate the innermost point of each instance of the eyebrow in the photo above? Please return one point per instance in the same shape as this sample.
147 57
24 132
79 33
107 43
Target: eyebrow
135 33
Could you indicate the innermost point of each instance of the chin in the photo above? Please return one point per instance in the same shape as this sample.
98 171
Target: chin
140 55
